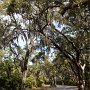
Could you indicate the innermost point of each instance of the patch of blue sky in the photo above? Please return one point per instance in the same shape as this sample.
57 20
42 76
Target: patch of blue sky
58 25
21 41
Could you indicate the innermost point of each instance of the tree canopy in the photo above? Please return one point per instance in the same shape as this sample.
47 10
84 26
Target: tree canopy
61 26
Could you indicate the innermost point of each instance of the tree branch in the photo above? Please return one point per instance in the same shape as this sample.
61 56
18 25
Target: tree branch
64 52
48 7
73 45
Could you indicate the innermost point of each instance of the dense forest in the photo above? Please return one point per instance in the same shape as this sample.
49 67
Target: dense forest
44 42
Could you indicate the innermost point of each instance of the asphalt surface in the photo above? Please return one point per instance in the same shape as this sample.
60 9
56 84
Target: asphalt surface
63 87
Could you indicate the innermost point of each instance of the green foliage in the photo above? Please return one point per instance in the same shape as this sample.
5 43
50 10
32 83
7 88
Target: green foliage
8 78
30 81
11 8
68 81
9 83
12 82
40 81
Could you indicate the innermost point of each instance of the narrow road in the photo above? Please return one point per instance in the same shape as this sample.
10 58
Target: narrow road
63 87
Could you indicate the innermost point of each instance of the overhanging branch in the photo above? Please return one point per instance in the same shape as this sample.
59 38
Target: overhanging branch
73 45
64 52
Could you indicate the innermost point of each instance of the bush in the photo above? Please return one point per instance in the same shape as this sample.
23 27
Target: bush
30 82
12 82
40 81
69 82
73 83
2 83
9 83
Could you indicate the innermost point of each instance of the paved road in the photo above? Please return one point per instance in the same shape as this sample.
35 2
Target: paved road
63 87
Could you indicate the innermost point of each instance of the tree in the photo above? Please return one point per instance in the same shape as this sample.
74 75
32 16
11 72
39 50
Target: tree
13 31
74 52
75 43
40 16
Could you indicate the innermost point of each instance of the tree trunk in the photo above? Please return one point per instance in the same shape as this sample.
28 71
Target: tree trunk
81 85
23 80
81 78
53 82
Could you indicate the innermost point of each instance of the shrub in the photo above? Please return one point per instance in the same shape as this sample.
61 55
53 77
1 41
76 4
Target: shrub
30 82
39 82
9 83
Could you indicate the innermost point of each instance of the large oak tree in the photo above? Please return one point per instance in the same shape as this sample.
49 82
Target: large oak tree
38 17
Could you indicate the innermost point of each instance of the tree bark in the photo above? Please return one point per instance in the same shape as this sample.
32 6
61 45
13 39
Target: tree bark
81 78
23 80
53 81
81 85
